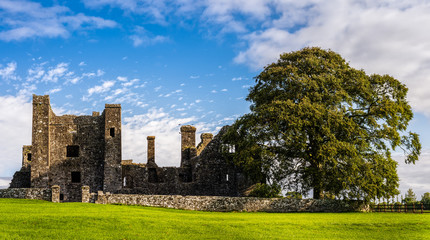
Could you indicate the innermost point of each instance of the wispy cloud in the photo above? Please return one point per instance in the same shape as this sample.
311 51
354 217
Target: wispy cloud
24 19
8 72
55 73
143 37
106 86
54 90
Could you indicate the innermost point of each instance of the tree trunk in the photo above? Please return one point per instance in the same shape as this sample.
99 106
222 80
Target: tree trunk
318 194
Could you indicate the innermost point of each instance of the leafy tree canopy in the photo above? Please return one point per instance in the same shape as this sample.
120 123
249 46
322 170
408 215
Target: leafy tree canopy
425 198
410 196
318 124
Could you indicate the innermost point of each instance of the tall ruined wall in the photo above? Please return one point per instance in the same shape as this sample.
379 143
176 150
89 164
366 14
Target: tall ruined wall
62 135
40 141
91 142
112 163
208 174
76 150
215 173
71 151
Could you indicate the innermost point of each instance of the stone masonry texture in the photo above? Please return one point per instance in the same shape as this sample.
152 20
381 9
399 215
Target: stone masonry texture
27 193
229 204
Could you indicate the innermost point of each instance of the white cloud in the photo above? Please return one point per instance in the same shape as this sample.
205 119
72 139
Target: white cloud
224 90
24 19
8 72
54 90
82 64
156 10
106 86
385 37
16 131
121 79
238 79
36 72
130 83
55 73
74 80
147 40
415 176
154 123
4 182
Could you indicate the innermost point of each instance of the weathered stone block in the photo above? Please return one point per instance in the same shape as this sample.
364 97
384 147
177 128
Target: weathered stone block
55 193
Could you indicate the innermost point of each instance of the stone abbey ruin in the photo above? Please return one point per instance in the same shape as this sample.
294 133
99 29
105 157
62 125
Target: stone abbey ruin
75 151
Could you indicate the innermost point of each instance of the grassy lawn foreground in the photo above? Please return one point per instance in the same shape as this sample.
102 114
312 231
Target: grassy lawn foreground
33 219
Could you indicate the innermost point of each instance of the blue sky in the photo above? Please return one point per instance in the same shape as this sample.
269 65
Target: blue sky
192 62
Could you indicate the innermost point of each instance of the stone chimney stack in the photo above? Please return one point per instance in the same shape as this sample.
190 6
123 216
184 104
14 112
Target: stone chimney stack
188 144
151 149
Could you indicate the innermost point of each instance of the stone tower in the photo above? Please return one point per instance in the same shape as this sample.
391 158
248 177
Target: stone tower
188 144
40 141
112 160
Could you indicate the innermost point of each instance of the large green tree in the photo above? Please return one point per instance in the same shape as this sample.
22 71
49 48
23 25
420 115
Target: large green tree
318 124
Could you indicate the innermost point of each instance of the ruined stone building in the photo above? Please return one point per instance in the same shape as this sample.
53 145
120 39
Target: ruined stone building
73 151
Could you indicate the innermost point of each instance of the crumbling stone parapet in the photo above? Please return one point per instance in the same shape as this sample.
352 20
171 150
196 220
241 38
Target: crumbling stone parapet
206 138
55 193
101 198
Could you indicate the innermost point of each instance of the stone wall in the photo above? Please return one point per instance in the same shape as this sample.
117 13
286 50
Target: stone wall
27 193
228 204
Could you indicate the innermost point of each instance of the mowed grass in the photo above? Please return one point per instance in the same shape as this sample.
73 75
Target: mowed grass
33 219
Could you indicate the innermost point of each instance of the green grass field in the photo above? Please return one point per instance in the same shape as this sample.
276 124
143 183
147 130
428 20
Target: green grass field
33 219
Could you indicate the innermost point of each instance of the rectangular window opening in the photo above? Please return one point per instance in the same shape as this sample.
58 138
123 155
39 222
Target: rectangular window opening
29 157
76 177
61 197
72 151
112 132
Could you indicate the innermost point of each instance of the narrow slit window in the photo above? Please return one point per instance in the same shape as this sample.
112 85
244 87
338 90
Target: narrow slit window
29 157
72 151
76 177
61 197
112 132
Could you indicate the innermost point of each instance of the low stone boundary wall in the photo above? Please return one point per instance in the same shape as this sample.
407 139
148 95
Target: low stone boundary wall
28 193
228 204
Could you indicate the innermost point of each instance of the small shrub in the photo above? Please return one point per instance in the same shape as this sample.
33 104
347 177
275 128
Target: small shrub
293 195
265 191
